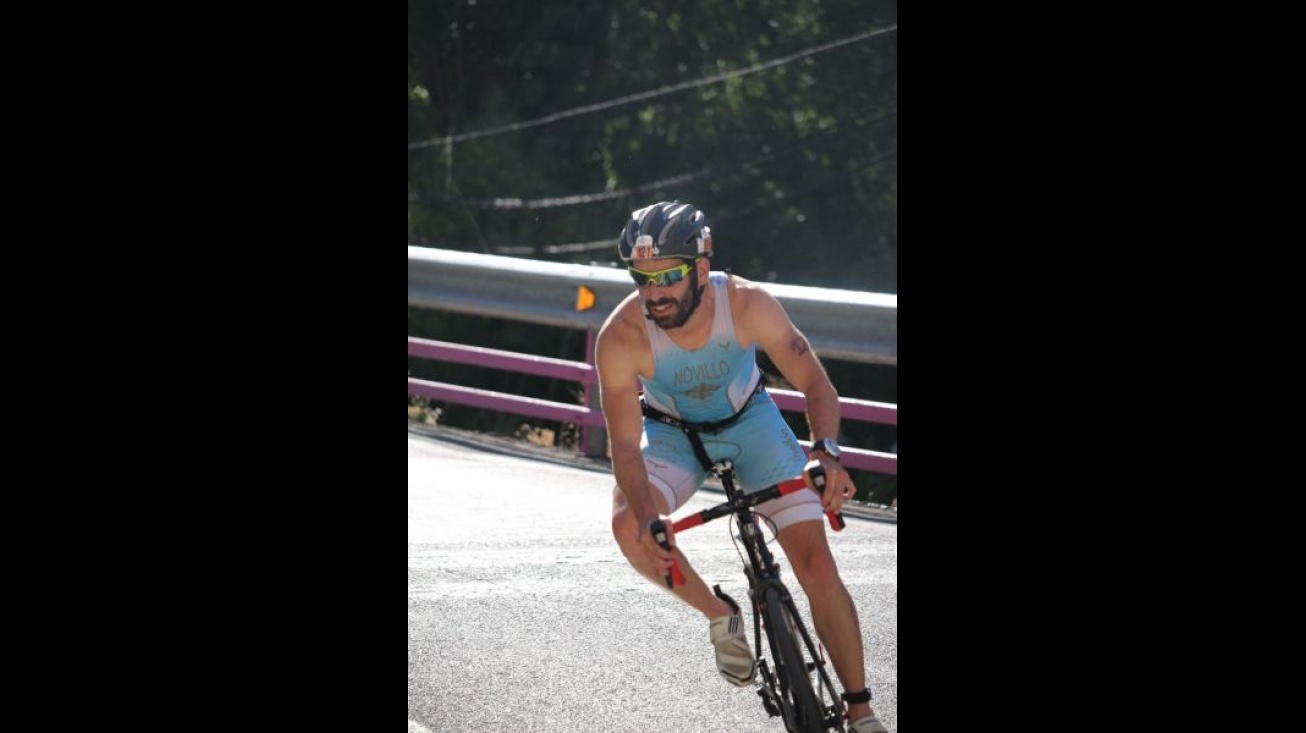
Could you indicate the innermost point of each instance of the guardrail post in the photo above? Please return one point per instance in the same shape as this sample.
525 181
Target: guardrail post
593 440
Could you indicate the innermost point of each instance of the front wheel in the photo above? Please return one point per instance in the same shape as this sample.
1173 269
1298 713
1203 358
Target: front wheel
803 712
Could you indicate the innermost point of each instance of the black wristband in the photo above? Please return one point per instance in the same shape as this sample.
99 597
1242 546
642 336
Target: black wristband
857 697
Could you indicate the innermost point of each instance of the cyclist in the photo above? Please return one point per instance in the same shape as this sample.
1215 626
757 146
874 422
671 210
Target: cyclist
688 338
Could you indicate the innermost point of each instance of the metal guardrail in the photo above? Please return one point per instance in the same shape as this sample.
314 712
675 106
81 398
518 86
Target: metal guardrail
588 416
574 371
840 324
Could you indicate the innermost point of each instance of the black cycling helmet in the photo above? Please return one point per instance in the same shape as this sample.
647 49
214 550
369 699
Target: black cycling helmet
665 230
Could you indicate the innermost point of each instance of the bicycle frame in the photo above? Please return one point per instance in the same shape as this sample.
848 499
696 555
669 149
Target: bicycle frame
771 599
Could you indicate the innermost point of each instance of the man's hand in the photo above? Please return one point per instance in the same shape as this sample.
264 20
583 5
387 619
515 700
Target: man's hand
838 484
659 559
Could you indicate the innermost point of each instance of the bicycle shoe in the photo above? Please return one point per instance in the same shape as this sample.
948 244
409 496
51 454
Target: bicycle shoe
734 659
869 724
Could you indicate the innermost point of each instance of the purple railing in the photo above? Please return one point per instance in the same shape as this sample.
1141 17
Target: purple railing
587 415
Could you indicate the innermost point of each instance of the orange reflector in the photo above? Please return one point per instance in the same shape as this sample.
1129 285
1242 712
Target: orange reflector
584 299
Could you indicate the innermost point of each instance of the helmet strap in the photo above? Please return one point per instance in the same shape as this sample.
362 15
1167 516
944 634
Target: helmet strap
698 291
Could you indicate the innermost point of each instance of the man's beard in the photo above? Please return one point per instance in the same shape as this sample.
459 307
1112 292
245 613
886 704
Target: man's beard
685 306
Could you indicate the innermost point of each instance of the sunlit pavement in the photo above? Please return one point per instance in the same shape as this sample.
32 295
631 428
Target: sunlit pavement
523 614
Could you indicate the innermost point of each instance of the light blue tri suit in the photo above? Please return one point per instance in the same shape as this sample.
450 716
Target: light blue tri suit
709 384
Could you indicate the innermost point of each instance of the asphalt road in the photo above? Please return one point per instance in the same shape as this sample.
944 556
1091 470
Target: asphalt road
524 616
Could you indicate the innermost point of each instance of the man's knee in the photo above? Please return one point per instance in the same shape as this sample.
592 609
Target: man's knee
623 520
809 555
816 566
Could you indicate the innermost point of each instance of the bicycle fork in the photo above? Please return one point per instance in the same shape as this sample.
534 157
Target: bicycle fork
815 670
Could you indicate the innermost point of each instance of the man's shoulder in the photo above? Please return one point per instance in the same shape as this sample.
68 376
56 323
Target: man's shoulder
745 292
620 325
622 345
739 282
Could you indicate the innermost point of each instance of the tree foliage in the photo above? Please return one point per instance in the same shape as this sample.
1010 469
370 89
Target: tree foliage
795 164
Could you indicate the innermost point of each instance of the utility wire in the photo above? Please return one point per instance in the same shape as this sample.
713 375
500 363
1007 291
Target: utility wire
720 218
505 202
648 95
549 203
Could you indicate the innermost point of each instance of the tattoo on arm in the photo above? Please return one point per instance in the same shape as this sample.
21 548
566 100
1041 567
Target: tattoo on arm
799 345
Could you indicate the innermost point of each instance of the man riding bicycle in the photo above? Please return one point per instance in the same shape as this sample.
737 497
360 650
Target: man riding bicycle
688 338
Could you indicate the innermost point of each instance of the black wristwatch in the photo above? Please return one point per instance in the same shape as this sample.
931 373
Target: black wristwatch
827 445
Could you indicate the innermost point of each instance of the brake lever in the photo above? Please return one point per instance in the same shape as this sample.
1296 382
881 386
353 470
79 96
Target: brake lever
816 472
659 529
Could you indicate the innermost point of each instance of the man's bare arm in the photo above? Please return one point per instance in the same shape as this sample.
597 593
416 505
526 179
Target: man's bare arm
617 360
762 320
766 323
619 394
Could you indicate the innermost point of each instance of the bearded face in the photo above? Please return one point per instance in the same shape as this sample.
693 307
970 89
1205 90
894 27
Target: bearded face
670 307
670 312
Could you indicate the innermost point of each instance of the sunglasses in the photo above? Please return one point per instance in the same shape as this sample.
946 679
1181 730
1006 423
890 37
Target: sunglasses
661 278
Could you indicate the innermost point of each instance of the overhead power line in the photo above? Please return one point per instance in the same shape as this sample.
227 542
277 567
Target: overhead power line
648 95
548 203
513 202
574 247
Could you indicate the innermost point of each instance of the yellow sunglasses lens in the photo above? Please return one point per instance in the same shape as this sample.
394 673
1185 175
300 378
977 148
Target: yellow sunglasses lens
661 278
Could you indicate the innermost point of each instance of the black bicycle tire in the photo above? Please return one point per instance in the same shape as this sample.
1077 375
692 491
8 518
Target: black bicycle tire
785 647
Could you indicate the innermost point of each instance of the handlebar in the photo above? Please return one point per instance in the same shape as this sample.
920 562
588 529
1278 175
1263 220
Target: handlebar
814 469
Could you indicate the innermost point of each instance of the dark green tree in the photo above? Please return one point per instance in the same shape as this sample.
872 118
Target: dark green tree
794 163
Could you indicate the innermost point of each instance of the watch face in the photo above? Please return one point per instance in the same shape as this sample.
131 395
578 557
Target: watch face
827 445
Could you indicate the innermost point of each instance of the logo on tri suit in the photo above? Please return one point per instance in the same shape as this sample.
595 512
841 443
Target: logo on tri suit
702 391
701 374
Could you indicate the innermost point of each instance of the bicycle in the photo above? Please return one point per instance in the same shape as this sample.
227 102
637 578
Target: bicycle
798 689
